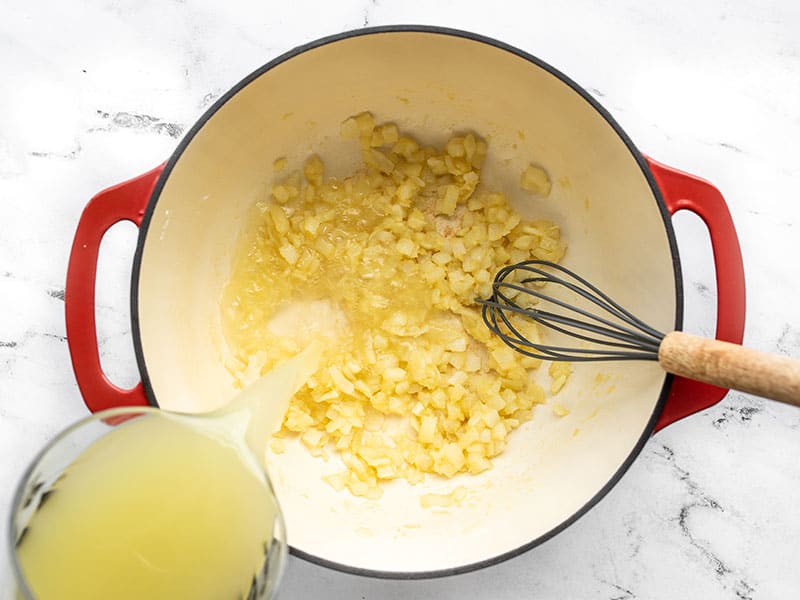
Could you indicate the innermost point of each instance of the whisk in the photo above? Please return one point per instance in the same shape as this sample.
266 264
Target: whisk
607 331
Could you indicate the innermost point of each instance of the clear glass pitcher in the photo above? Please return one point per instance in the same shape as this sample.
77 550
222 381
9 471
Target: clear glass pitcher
41 483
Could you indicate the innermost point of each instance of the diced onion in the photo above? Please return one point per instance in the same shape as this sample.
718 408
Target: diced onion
399 249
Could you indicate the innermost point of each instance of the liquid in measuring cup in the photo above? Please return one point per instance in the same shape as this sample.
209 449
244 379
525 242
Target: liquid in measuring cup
155 509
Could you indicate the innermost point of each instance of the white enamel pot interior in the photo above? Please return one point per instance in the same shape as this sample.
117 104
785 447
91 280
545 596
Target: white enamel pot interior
432 83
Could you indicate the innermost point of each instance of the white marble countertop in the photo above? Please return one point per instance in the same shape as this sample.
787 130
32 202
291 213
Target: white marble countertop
97 91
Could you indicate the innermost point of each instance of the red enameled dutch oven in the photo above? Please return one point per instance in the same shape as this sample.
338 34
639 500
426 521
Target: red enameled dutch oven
614 205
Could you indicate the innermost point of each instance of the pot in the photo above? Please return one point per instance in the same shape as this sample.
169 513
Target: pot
614 206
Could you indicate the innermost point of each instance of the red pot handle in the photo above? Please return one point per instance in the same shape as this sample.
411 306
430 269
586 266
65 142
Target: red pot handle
682 191
123 202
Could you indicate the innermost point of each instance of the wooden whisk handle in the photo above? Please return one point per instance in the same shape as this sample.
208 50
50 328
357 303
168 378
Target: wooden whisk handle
731 366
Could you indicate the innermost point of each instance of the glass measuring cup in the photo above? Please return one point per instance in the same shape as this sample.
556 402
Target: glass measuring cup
65 460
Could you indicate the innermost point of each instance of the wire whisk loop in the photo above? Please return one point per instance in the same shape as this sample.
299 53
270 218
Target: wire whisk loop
609 331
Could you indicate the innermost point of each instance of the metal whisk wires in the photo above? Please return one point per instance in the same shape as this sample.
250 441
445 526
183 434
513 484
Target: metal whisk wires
612 333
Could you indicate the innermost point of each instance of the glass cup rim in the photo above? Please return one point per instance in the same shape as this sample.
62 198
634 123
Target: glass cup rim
16 499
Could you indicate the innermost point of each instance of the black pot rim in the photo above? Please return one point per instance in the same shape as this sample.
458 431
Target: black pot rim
637 155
